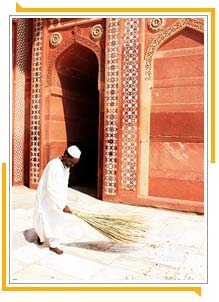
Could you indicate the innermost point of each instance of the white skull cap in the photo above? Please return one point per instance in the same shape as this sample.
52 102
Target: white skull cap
74 151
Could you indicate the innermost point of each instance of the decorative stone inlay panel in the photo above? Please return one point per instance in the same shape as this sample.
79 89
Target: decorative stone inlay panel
36 99
196 24
19 100
112 92
130 104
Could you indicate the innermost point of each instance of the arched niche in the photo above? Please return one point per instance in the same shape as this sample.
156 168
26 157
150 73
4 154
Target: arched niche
74 105
162 40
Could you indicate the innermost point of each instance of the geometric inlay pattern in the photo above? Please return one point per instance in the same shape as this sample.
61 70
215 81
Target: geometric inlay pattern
19 101
130 104
112 92
36 99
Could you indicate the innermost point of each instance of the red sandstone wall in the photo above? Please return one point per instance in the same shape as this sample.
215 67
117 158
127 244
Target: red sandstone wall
177 119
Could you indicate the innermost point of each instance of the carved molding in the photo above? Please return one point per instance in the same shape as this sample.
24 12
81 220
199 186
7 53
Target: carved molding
55 39
51 62
76 37
76 30
97 32
156 24
165 35
89 44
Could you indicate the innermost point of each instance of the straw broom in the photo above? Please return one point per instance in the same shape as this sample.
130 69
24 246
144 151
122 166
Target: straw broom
120 229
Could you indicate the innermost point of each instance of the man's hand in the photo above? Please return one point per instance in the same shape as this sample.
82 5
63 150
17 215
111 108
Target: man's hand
67 209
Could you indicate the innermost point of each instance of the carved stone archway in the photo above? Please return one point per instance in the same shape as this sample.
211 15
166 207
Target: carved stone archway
76 38
166 34
64 50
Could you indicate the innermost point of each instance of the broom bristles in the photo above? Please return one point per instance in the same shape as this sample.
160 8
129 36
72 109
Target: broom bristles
119 228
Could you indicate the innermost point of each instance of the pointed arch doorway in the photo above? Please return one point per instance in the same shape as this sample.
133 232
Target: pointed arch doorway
77 69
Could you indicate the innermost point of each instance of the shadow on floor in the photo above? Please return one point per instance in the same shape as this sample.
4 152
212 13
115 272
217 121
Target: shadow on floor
89 189
103 246
94 245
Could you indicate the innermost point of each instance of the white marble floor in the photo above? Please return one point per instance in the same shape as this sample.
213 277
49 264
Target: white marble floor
173 251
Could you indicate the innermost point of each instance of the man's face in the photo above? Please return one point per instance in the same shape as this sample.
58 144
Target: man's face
70 161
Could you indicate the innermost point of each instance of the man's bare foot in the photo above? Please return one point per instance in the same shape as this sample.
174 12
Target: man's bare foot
56 250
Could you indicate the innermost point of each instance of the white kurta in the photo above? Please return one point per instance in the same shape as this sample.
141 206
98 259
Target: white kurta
51 198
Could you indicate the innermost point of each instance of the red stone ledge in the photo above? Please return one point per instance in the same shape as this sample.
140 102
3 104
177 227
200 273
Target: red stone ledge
162 202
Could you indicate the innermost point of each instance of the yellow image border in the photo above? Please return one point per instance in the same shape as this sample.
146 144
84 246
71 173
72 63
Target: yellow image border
196 289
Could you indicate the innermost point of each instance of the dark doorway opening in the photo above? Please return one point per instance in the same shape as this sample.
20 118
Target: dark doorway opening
78 74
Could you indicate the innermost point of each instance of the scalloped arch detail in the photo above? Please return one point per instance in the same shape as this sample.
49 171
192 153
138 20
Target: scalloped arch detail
64 46
178 26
